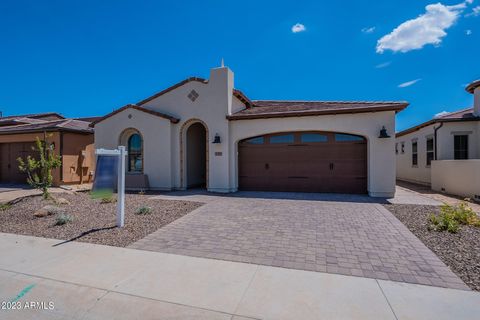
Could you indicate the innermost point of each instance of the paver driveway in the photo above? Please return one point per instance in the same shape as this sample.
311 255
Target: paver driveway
349 235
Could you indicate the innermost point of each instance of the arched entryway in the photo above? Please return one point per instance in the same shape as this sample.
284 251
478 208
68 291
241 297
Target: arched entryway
303 161
196 156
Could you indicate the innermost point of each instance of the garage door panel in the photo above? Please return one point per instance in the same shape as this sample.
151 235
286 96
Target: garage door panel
327 166
10 152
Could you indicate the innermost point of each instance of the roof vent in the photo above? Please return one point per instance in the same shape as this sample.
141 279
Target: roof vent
193 95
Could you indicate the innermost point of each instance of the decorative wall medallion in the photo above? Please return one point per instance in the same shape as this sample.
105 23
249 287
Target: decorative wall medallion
193 95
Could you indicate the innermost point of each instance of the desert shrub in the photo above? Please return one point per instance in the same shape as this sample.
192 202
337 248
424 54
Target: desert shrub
39 169
451 217
5 206
110 199
143 210
63 219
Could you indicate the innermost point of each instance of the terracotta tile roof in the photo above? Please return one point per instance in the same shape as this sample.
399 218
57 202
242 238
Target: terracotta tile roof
89 119
273 109
270 109
11 121
53 125
461 115
44 116
136 107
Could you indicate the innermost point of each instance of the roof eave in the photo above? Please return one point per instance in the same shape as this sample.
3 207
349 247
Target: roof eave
46 130
136 107
431 122
397 109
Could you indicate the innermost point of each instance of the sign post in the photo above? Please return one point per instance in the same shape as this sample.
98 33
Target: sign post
120 153
121 188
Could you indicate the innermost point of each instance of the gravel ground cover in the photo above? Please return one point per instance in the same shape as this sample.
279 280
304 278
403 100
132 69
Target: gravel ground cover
93 221
460 251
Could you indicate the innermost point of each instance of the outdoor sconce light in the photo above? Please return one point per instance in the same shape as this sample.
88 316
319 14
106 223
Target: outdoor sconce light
383 133
217 139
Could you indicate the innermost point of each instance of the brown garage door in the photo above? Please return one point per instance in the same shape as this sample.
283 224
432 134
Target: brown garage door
304 162
9 152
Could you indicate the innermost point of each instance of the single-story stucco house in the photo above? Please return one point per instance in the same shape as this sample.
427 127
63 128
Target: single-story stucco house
72 140
207 133
444 152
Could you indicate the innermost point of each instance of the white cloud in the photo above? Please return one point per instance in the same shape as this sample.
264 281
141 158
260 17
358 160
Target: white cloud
468 32
368 30
408 83
476 11
383 65
298 27
441 114
427 28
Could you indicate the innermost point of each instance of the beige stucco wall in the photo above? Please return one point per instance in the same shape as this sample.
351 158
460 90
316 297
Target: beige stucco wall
164 146
445 148
214 102
457 177
156 133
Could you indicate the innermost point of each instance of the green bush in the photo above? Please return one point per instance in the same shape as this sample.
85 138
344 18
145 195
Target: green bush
63 219
5 206
451 217
143 210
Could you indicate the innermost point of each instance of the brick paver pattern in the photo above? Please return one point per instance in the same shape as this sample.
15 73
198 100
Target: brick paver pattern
350 238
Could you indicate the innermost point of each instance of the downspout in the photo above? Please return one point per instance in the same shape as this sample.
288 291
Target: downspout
435 129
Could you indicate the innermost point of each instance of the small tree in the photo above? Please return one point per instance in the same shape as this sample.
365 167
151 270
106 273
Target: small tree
39 171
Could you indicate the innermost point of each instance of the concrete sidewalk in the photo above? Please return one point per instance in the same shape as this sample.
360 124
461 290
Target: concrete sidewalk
86 281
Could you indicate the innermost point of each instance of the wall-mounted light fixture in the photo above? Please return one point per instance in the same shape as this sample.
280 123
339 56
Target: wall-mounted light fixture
217 139
383 133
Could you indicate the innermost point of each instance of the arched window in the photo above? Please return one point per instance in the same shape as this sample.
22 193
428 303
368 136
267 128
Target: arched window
135 153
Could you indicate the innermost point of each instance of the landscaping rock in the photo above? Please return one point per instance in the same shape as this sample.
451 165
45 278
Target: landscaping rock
460 251
92 221
62 201
47 211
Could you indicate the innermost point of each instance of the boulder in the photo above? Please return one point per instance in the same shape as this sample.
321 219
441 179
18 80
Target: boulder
47 211
62 201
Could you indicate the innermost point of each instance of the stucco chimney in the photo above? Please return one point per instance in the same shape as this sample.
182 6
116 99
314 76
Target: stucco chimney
474 88
222 80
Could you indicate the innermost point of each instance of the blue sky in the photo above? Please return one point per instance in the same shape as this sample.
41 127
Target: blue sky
84 58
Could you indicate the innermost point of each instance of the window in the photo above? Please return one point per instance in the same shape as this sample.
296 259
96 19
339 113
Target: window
313 137
396 148
460 147
414 153
257 140
347 137
286 138
430 151
135 156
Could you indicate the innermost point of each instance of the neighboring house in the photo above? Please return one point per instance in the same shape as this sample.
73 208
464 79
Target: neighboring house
453 140
206 133
72 139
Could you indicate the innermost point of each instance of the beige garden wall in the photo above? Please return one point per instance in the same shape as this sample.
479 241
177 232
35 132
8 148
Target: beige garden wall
421 173
457 177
